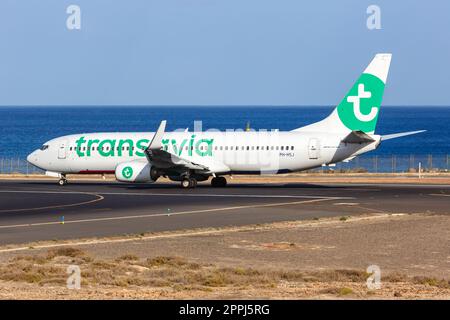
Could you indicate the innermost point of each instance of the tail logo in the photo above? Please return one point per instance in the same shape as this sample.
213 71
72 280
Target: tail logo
359 109
356 105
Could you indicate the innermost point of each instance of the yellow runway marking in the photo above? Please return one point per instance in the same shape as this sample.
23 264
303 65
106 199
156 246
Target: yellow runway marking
165 214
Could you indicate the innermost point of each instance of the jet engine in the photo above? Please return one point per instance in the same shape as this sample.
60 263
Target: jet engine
136 171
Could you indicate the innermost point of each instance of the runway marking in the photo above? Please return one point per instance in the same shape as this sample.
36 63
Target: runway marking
98 198
439 195
163 214
181 235
181 194
346 204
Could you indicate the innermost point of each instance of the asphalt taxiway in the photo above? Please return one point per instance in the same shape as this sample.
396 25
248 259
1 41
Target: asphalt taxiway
32 210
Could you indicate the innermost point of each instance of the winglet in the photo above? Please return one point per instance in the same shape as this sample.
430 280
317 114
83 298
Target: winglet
398 135
156 144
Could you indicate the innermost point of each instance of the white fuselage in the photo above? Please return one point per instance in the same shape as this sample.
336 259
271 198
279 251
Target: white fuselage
223 152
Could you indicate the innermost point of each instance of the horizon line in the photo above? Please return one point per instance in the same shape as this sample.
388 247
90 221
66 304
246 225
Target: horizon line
206 106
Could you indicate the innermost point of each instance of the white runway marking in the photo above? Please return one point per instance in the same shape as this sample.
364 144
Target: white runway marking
439 194
164 214
181 194
98 198
168 236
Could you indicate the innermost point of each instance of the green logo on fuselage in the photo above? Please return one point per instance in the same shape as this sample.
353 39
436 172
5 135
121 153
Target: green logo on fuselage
120 147
127 172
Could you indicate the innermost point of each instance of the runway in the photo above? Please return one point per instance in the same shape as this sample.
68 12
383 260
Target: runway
32 210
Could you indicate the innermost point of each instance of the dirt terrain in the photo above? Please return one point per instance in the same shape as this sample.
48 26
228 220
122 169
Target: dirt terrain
325 258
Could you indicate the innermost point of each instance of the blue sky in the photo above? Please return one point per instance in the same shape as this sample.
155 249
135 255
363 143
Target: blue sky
219 52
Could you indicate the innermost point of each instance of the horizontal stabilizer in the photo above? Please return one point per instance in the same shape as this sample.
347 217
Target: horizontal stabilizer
401 134
357 137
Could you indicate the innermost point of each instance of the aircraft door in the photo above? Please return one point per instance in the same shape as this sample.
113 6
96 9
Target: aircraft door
314 148
62 150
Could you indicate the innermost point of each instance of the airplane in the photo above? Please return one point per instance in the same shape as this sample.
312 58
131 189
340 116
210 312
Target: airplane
188 157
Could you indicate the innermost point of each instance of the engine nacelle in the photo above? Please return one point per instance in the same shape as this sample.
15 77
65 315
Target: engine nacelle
135 171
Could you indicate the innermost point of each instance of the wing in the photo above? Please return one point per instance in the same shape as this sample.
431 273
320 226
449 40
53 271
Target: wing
166 160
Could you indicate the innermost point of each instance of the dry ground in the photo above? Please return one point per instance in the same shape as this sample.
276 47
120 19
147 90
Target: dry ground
324 258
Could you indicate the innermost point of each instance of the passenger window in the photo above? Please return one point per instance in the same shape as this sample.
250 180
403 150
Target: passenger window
292 147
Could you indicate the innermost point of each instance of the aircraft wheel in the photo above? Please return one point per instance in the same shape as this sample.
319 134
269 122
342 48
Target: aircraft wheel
193 183
218 182
185 183
62 182
222 182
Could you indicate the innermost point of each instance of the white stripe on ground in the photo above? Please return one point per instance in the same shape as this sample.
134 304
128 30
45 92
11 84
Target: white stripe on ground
98 198
177 235
179 194
162 214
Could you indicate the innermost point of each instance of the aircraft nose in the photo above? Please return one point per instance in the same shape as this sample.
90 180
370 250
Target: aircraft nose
32 158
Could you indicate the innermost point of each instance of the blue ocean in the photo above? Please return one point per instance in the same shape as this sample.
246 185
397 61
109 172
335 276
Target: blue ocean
24 129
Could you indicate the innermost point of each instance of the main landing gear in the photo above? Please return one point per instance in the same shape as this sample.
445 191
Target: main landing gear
219 182
188 183
62 181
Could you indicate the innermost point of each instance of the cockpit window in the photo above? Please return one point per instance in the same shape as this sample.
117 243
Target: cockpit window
44 147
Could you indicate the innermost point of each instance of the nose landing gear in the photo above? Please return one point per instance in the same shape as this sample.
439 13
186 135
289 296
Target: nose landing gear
62 181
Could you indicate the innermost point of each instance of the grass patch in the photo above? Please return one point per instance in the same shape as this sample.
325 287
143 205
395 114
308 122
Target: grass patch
345 291
127 257
433 282
178 273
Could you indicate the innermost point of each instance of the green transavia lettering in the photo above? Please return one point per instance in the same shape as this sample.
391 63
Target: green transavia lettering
129 147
